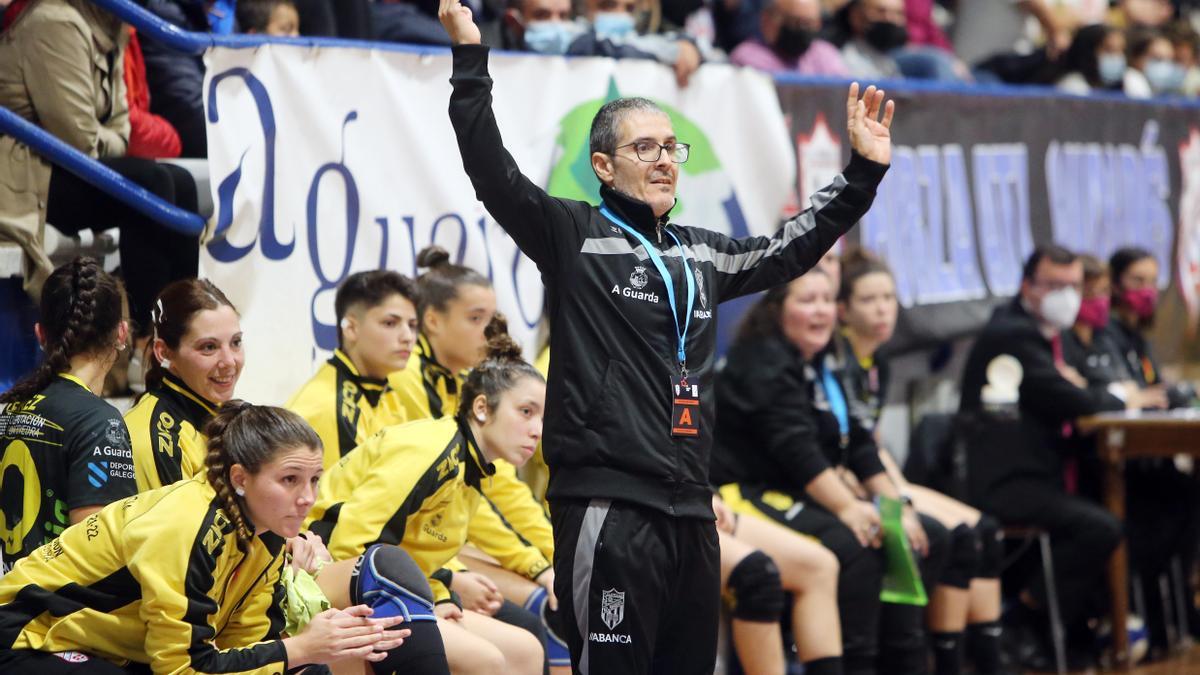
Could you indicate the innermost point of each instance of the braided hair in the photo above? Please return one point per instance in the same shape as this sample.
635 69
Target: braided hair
500 370
249 435
82 307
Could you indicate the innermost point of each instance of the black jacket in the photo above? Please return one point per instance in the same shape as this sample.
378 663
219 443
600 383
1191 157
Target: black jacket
1030 446
607 432
176 78
775 429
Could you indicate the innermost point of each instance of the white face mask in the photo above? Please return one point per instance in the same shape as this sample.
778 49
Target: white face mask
1059 308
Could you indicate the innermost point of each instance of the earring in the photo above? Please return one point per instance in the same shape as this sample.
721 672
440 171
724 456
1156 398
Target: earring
480 418
345 323
240 492
166 363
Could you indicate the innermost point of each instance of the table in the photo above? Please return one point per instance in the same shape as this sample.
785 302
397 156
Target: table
1121 436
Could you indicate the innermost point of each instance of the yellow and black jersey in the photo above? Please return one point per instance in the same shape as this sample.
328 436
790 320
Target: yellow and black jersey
417 485
429 390
344 407
157 579
64 448
165 425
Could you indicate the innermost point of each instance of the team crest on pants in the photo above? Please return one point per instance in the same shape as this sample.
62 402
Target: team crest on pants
612 607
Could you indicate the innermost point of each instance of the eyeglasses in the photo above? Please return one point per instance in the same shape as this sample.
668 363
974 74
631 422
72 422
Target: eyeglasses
649 151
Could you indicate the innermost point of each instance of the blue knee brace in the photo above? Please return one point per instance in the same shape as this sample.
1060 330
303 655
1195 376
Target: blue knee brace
556 647
388 581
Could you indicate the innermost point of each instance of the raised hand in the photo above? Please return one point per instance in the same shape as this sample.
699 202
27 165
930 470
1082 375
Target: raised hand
870 136
456 19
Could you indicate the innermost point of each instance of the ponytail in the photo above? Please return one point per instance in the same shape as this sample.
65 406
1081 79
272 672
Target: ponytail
81 308
440 283
249 435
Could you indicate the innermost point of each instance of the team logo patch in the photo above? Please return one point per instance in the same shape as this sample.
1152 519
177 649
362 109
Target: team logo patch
73 657
638 279
612 607
116 434
700 287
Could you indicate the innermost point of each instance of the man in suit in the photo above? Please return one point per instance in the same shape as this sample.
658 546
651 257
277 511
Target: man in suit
1016 460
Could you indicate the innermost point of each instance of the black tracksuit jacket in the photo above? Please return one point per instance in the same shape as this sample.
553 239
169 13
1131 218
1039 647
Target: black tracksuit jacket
607 433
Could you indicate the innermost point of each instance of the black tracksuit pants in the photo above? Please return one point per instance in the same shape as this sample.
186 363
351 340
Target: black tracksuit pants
638 590
1082 536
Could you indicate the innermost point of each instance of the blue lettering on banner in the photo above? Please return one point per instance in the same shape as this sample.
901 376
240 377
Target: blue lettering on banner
325 334
922 215
1002 213
1105 196
222 249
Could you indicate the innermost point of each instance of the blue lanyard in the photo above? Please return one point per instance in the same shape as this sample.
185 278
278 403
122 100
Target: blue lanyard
662 270
837 400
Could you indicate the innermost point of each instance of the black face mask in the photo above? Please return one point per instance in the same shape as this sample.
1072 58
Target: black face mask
886 36
792 42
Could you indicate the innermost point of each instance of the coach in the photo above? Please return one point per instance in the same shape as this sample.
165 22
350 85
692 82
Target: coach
632 304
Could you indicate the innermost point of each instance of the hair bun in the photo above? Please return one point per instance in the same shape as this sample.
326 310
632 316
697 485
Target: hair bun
854 254
502 347
497 326
432 256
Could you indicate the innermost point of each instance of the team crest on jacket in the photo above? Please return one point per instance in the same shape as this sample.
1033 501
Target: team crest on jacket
638 279
700 287
612 607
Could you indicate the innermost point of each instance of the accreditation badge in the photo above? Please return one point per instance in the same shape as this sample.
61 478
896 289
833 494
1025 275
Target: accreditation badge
685 407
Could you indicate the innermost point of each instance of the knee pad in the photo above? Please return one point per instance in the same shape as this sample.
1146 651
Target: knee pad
388 581
557 652
963 564
991 548
756 588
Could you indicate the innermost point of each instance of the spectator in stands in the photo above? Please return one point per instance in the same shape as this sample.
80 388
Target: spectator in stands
351 19
928 54
53 419
1187 54
965 602
62 65
789 42
986 28
783 428
150 136
1143 13
614 32
1094 61
1015 455
176 78
277 18
195 360
1152 68
875 28
541 26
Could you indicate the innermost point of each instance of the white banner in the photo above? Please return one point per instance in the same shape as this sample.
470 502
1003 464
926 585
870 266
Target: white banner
331 161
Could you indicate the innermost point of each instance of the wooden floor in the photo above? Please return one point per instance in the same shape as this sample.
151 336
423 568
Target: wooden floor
1184 664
